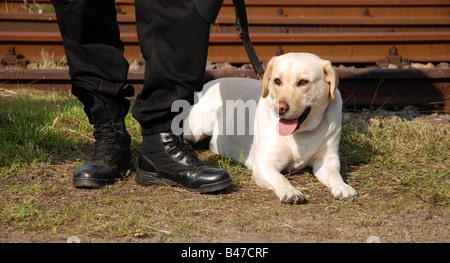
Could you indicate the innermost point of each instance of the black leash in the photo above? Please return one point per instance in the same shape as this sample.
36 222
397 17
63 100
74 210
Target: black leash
242 30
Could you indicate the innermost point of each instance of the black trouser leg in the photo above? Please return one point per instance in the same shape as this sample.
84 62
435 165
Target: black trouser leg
174 41
94 52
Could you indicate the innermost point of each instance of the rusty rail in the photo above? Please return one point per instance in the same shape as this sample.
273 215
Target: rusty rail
296 7
46 22
428 89
343 8
343 31
227 47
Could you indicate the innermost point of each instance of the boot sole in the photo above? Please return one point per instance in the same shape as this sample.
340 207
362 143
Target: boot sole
91 183
145 178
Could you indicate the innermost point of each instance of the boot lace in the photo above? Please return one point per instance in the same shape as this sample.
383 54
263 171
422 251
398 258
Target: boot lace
105 136
180 149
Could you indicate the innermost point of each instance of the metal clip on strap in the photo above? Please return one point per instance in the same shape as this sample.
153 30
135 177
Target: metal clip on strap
242 30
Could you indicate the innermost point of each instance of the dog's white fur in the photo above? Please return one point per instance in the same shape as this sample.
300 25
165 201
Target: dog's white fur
315 143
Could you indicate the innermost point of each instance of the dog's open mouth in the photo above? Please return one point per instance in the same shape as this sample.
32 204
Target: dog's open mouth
286 127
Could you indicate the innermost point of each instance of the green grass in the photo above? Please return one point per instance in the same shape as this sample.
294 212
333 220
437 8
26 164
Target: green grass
30 130
236 169
39 8
45 128
399 169
48 61
412 155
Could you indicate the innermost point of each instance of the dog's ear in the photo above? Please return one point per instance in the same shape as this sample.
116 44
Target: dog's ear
267 76
331 77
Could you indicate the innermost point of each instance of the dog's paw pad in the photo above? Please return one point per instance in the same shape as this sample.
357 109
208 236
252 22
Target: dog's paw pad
343 191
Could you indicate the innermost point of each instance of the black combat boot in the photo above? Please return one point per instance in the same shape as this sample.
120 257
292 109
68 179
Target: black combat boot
166 159
111 154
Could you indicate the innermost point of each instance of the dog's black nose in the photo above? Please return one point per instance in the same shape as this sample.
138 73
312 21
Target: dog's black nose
281 107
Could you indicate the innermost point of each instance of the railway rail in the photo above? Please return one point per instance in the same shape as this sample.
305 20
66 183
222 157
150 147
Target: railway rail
342 31
227 47
289 7
46 22
427 89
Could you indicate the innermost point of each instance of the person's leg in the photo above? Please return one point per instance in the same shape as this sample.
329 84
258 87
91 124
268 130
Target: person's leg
94 52
98 72
174 41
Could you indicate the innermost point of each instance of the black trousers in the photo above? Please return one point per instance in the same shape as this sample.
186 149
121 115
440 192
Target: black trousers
174 42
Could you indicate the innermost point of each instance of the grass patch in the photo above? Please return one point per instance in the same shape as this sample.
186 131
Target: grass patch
411 155
31 130
45 127
400 170
236 169
48 61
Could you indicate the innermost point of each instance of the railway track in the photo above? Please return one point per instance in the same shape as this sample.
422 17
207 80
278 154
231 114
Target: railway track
227 47
288 7
427 89
343 31
46 22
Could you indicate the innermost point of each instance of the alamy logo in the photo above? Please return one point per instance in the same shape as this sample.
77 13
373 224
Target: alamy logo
239 116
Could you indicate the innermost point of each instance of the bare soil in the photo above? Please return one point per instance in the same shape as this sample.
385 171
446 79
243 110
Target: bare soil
45 207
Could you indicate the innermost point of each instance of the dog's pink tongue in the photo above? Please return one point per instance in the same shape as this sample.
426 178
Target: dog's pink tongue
286 127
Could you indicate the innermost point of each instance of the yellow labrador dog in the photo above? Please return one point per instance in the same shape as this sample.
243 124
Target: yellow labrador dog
287 122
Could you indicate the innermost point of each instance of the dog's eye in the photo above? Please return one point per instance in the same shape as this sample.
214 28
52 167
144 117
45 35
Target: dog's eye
303 82
277 81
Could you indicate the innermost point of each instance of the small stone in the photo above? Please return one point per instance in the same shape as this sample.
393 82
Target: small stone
442 65
392 66
73 239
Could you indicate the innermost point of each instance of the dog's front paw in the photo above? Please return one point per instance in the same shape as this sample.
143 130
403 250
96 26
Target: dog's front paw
343 191
290 195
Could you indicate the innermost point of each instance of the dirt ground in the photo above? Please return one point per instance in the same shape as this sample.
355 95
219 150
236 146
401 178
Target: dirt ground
49 209
247 213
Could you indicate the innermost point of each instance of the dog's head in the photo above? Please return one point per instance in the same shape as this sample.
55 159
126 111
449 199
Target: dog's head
300 86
